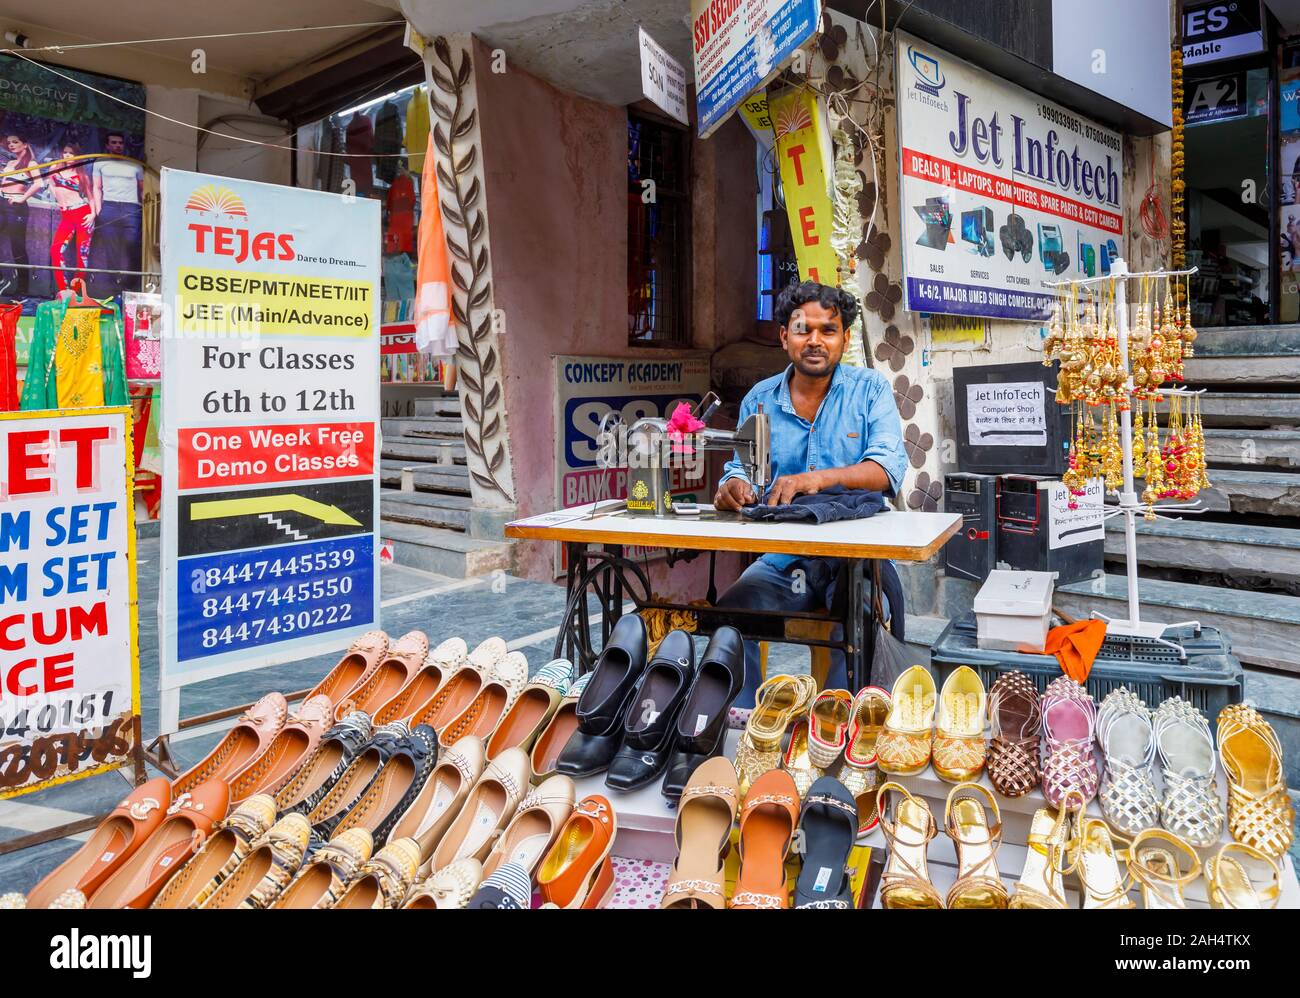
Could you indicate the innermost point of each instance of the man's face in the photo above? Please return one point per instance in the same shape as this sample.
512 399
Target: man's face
115 145
814 339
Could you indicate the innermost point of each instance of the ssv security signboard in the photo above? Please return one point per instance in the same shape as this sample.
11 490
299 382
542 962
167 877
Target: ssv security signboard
1001 190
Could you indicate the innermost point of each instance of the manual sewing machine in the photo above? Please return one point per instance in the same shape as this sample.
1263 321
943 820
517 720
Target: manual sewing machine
655 446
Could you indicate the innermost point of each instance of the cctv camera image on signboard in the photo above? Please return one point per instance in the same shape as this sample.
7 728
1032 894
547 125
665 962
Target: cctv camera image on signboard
1004 190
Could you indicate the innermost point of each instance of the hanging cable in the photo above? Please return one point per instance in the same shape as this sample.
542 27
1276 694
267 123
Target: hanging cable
200 38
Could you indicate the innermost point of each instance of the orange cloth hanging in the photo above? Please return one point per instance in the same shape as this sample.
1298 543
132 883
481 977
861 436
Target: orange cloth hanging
435 333
1076 646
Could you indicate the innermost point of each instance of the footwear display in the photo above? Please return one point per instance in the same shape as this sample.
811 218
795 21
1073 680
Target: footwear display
285 754
110 845
440 800
489 806
1127 738
533 709
401 662
326 764
908 826
1260 812
706 811
450 887
508 886
966 818
828 827
354 668
860 773
576 871
189 821
241 745
1042 884
267 869
221 854
462 686
385 880
546 750
501 687
396 786
1191 806
328 872
702 722
958 751
903 747
778 703
336 798
1241 876
534 826
1164 865
650 722
439 665
604 702
1069 728
1096 862
1014 724
769 816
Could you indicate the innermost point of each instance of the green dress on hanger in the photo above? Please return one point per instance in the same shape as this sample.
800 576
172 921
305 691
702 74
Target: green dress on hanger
41 388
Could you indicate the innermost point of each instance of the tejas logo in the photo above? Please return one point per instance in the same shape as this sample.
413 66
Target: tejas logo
223 204
929 77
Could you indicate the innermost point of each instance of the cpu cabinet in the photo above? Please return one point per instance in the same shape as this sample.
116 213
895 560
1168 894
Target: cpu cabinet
973 551
1037 532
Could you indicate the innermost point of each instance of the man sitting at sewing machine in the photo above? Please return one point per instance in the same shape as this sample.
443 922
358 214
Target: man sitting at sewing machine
831 424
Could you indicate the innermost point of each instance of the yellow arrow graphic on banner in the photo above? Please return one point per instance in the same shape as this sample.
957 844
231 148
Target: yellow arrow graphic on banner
220 508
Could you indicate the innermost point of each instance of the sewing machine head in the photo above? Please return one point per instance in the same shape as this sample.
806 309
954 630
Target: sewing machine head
652 453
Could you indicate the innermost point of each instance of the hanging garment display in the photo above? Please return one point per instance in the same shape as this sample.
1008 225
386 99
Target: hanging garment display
76 358
388 141
9 314
401 215
142 335
361 160
417 130
434 331
329 166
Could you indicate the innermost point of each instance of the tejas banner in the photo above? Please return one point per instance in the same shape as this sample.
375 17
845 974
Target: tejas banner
739 46
68 645
270 424
1001 190
804 153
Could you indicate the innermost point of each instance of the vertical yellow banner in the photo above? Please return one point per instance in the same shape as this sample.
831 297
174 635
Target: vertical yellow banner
803 149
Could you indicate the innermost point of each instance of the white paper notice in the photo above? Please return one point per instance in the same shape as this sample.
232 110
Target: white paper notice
663 79
1013 414
1076 526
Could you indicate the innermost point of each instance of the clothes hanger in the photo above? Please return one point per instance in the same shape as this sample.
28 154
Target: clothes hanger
80 297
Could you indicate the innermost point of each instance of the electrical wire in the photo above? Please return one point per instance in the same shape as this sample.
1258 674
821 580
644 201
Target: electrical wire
200 38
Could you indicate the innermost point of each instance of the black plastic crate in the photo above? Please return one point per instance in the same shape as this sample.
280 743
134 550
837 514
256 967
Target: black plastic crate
1210 677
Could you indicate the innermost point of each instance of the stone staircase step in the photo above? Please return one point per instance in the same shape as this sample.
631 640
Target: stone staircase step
434 452
1235 549
1264 628
1250 408
445 552
1272 493
429 509
1275 448
438 405
423 426
452 478
1245 355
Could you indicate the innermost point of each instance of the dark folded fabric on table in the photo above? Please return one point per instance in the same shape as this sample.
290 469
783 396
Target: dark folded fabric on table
826 506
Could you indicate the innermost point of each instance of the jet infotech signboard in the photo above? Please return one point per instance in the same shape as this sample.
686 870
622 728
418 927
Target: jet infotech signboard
1001 190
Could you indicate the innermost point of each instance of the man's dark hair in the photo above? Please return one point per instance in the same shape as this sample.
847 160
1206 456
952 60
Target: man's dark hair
794 295
115 135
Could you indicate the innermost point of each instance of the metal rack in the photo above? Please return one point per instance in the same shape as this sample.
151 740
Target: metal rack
1128 506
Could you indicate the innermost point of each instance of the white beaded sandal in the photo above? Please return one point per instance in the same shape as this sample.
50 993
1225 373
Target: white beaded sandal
1191 807
1128 743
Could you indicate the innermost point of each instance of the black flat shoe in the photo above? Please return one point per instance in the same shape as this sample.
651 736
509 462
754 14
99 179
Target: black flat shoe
395 787
339 796
829 826
650 725
702 724
602 705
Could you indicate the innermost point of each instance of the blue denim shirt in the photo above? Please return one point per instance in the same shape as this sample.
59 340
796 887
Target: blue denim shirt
857 421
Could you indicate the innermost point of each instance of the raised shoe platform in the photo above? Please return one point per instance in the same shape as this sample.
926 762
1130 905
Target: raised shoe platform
1234 549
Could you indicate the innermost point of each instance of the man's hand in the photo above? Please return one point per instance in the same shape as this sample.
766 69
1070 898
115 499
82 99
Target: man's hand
785 488
734 493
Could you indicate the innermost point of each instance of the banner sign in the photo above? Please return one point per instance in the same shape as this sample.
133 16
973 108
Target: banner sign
1081 525
803 149
588 389
68 647
1001 190
1218 98
740 46
1221 30
663 78
270 424
1006 414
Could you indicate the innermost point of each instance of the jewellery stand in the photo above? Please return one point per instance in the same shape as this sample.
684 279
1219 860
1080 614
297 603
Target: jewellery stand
1129 507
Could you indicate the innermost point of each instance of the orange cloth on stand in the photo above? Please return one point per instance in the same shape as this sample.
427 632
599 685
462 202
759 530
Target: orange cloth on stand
435 333
1076 646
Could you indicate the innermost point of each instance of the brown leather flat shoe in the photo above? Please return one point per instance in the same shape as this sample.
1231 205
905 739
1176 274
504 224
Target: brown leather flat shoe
354 668
404 658
241 747
188 822
439 665
385 881
531 712
559 729
328 761
287 751
328 872
224 850
501 688
267 869
109 846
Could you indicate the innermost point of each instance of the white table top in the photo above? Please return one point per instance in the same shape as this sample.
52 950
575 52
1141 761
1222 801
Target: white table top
891 534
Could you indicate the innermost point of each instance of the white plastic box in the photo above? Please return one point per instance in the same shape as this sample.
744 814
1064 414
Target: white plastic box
1013 610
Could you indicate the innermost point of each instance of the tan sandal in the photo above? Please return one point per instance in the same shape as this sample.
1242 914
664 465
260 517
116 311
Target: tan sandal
965 817
905 882
1096 863
1231 884
1163 864
705 814
778 703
